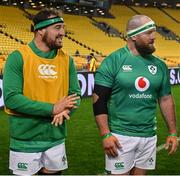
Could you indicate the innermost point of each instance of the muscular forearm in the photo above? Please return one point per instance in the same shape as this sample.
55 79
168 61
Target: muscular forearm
100 98
102 123
168 111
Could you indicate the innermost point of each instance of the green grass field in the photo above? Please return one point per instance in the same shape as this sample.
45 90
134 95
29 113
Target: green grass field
84 151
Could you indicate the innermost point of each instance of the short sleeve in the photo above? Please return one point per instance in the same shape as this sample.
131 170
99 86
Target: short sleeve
105 73
165 88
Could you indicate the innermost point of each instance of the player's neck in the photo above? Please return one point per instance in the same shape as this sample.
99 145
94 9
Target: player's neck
132 48
41 45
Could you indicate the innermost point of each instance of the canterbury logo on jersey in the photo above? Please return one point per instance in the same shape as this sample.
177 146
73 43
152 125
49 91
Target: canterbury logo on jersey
127 68
47 71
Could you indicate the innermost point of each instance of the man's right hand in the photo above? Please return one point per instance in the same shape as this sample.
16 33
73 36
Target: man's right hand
65 103
111 146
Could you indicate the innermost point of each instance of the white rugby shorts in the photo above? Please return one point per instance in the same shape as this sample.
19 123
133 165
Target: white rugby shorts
53 159
139 152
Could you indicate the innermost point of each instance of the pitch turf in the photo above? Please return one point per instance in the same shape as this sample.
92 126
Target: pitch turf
84 149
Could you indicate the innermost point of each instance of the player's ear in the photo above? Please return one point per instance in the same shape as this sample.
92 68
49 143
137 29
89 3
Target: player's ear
41 31
134 38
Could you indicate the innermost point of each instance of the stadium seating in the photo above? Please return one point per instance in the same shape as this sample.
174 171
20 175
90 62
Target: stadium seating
84 36
90 35
173 12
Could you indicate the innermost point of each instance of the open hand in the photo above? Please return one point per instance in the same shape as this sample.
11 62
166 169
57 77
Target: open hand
59 118
65 103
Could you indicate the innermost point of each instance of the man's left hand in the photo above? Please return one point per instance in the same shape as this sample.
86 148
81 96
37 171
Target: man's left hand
59 118
171 144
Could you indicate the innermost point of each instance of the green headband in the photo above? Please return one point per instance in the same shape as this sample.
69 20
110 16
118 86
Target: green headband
48 22
146 27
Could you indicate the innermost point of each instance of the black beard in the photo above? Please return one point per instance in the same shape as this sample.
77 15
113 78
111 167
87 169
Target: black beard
51 45
144 50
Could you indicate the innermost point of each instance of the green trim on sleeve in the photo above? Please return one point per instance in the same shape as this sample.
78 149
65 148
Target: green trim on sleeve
74 86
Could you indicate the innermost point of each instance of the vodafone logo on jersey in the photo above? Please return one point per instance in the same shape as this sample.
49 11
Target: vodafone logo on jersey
142 84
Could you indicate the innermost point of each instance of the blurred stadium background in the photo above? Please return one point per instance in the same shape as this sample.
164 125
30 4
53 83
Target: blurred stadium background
98 27
93 26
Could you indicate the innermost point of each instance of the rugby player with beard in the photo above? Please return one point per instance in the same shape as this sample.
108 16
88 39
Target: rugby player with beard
128 85
41 89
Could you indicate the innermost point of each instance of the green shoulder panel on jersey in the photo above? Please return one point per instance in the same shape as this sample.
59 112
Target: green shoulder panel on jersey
15 59
110 67
158 60
166 87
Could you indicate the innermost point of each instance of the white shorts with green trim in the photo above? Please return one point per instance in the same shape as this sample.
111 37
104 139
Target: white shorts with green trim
139 152
53 159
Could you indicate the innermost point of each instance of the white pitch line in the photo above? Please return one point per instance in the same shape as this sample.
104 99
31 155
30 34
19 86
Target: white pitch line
160 147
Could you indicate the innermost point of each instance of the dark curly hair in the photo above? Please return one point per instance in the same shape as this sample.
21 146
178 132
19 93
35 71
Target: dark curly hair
45 14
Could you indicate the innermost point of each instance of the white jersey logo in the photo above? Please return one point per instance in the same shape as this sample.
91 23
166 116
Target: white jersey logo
142 84
47 71
127 68
152 69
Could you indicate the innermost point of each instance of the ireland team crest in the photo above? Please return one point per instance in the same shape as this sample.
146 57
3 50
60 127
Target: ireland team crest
152 69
